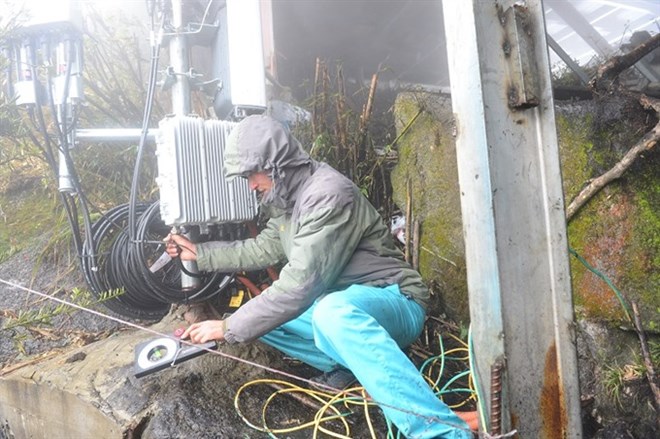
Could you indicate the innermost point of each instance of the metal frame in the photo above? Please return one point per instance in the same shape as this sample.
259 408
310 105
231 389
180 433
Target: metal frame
591 36
513 216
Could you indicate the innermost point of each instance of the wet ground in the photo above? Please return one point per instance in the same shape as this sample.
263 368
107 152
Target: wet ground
196 399
25 342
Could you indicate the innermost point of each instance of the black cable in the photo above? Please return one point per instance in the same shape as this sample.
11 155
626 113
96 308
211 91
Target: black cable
125 263
67 201
151 222
59 114
112 271
186 271
153 73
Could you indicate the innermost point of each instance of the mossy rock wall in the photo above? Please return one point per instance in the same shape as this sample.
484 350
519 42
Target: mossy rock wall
617 232
427 159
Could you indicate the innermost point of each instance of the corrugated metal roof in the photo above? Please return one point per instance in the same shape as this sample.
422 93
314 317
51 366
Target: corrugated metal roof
614 21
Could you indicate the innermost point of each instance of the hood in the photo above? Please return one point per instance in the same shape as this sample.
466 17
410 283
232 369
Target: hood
261 143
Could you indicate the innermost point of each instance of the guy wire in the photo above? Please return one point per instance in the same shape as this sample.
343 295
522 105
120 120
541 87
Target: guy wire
223 354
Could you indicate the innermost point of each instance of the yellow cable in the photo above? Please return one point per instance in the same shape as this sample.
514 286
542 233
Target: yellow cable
311 393
314 423
329 402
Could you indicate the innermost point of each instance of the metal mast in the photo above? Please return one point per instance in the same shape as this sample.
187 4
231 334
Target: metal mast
180 69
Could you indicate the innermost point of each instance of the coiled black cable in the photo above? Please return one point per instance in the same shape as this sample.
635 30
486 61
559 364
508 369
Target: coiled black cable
125 263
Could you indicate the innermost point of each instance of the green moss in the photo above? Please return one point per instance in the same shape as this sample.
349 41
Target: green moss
574 149
617 230
600 239
643 276
29 217
427 160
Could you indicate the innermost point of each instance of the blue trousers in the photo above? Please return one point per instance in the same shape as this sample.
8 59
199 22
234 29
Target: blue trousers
363 328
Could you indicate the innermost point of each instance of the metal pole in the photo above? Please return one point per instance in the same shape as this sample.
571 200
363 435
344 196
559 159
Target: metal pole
65 179
513 214
561 53
181 107
180 63
113 134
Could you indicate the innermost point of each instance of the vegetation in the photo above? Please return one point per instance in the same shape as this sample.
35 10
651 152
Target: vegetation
617 378
32 211
115 94
345 131
29 318
619 229
114 97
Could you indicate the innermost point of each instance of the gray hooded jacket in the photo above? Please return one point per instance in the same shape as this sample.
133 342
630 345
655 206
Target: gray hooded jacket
321 226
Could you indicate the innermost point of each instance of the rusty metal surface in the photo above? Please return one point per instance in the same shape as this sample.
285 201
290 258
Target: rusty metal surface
552 409
518 49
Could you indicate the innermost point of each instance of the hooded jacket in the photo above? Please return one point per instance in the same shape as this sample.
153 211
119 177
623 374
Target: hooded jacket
321 226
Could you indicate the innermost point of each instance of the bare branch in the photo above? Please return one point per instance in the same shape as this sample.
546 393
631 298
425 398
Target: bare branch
610 69
646 143
650 103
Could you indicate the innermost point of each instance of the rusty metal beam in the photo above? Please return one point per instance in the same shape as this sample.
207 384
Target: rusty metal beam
513 215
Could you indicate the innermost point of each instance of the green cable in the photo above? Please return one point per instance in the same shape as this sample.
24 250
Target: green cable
477 386
618 294
445 389
442 357
431 360
390 429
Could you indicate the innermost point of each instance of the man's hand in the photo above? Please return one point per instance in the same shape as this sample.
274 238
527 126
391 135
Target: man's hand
470 418
180 246
205 331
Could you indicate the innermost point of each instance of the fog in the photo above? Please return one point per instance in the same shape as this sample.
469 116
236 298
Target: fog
401 40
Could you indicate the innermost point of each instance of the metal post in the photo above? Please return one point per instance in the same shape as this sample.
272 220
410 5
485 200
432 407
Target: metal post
513 214
65 179
113 134
181 106
180 63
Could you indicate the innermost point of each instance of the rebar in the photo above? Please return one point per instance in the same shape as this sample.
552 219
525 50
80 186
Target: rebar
496 398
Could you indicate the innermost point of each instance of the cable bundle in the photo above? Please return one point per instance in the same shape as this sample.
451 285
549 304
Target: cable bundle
124 263
340 406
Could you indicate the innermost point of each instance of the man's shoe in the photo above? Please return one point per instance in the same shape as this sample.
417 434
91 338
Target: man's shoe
336 379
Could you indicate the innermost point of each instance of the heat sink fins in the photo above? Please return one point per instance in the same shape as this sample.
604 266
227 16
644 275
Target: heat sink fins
191 180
